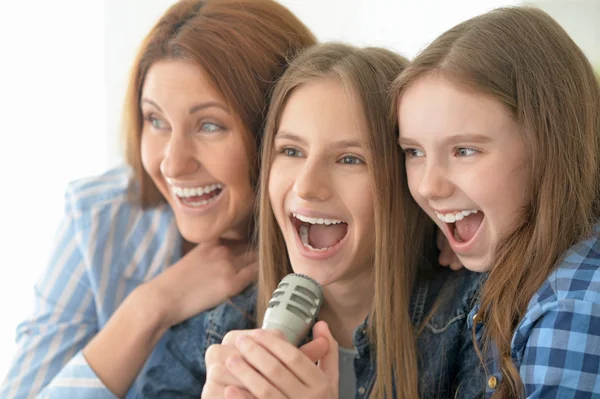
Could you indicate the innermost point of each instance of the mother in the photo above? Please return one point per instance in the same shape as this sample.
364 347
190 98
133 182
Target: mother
197 98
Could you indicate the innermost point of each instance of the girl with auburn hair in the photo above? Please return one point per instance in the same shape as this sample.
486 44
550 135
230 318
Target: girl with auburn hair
500 123
146 246
334 205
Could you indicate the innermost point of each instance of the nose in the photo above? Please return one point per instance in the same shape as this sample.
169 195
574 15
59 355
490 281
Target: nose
179 158
313 182
435 182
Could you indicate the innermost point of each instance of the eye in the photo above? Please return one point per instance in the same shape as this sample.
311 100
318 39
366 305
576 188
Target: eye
210 127
413 153
464 151
157 123
290 152
351 160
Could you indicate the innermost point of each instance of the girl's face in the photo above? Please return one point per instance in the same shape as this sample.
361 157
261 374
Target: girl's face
319 184
466 164
195 151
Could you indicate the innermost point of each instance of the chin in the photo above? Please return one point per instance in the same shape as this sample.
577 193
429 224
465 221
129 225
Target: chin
197 235
476 264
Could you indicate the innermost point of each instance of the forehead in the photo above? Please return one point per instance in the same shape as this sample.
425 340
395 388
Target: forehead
179 79
323 109
435 104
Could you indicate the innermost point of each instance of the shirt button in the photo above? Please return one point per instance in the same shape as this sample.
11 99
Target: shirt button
361 390
492 382
476 318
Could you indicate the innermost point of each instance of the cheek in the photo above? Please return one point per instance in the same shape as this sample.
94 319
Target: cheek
279 182
413 177
231 165
359 200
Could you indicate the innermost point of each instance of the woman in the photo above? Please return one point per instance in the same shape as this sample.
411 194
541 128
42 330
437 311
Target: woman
146 246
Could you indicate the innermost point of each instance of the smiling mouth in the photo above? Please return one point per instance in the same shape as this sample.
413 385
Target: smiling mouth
462 225
319 234
198 196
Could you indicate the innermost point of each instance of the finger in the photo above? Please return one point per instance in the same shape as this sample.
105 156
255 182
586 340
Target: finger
237 247
237 393
269 366
293 359
216 356
315 349
254 382
221 375
329 363
456 265
447 255
212 390
245 276
230 338
245 258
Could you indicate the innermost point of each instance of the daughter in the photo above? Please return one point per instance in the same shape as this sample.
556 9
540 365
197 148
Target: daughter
500 123
334 205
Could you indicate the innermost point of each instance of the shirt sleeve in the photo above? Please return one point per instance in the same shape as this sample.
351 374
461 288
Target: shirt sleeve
49 342
560 346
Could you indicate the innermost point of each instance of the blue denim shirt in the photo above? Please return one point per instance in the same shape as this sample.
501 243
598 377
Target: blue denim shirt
448 364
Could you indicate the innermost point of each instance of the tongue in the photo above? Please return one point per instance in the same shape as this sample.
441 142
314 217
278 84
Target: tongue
321 236
467 227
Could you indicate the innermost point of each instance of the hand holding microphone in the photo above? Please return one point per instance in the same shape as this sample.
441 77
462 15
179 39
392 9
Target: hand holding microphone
254 362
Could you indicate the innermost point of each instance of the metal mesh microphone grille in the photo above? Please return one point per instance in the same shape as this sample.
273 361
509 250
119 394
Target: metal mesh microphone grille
301 301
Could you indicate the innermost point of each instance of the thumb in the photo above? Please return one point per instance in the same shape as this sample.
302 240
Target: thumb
315 349
329 363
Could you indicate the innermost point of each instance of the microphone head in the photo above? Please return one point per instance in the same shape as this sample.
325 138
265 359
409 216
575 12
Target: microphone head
294 307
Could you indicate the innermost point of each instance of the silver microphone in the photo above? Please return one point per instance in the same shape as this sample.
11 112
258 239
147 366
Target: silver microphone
294 307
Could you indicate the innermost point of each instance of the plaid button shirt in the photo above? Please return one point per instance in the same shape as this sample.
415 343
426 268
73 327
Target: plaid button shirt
556 346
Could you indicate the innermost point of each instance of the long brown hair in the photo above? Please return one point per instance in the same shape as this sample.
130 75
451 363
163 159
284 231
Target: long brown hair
242 45
522 57
399 223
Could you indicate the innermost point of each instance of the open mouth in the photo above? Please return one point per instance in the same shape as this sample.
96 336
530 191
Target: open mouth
198 196
319 234
462 225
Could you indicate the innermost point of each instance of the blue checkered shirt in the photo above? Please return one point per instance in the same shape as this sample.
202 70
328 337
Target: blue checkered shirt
556 346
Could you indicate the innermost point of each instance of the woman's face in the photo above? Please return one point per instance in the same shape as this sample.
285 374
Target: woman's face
196 151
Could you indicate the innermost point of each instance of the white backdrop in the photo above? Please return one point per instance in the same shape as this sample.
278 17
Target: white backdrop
63 70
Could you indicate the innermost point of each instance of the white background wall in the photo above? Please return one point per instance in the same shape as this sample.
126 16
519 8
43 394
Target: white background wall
63 70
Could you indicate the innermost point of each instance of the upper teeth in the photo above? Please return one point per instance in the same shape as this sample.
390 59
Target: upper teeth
192 191
306 219
453 217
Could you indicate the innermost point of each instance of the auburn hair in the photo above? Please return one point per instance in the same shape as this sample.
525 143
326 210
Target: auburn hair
242 45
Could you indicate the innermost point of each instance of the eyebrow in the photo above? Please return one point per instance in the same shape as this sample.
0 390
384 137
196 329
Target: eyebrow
195 108
342 144
457 138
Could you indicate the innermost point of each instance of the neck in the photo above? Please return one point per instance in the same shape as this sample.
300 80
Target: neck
239 234
346 306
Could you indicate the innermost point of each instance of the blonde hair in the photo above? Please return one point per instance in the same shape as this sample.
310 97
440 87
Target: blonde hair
242 45
522 57
399 223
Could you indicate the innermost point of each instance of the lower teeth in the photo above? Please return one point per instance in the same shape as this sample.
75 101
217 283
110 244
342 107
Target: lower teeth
304 238
199 203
